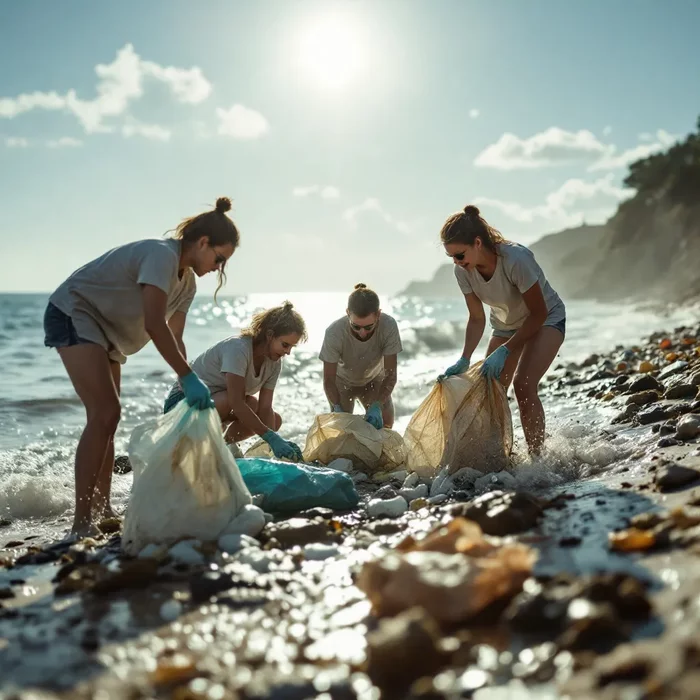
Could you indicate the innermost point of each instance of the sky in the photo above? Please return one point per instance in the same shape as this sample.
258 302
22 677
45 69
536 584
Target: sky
344 131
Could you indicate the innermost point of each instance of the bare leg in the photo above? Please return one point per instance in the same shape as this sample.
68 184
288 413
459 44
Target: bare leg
101 505
89 370
236 431
538 354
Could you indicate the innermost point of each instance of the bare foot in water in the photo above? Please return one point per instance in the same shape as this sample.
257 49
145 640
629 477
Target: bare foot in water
82 530
105 514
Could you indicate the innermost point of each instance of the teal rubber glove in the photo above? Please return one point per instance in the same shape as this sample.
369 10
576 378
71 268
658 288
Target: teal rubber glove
374 415
281 448
462 365
337 408
493 364
197 393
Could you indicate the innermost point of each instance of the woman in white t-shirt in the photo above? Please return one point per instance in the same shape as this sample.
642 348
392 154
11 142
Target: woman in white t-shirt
528 318
109 309
239 367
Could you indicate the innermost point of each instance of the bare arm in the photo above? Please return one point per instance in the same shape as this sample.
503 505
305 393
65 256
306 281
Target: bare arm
330 371
235 389
265 411
177 326
390 376
155 303
534 300
475 324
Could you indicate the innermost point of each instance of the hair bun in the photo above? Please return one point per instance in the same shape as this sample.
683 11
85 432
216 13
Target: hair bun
223 204
360 285
287 306
471 210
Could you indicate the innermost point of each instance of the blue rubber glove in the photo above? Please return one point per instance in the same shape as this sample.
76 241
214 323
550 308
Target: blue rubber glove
493 364
337 408
462 365
196 392
374 415
282 449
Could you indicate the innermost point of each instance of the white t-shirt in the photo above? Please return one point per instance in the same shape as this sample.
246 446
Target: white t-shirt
359 362
105 299
516 271
234 355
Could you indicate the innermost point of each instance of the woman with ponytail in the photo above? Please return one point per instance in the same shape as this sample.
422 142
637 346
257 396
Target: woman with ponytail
109 309
240 367
528 319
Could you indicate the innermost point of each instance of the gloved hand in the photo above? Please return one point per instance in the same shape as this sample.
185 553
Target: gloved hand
282 449
462 365
374 415
493 364
337 408
196 392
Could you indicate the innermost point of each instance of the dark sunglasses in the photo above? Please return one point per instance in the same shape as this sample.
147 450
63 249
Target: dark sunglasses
457 256
219 258
357 327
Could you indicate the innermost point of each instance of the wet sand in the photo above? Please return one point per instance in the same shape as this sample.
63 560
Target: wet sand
283 618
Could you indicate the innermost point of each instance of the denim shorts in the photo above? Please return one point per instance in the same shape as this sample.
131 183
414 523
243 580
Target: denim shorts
59 331
559 325
173 398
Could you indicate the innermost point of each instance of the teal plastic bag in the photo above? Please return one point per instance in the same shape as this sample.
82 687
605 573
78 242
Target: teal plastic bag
294 487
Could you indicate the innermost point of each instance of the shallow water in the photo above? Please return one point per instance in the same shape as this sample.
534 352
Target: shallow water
41 418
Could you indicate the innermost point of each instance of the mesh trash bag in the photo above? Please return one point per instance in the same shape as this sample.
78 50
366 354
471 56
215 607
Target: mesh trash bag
463 422
293 487
186 482
481 434
335 435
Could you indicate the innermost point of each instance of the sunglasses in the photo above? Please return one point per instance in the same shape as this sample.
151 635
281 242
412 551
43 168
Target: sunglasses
457 256
357 327
219 259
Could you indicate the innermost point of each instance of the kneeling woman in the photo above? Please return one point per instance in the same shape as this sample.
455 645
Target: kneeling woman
528 319
237 368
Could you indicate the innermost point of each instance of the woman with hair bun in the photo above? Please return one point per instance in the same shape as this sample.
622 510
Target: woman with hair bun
110 308
359 357
528 318
239 367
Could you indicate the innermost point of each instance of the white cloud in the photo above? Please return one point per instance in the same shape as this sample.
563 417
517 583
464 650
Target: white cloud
242 123
474 113
119 84
556 146
64 142
373 205
16 142
573 202
148 131
325 192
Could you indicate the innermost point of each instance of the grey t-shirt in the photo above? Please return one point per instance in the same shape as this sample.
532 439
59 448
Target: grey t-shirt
516 271
234 355
104 298
359 362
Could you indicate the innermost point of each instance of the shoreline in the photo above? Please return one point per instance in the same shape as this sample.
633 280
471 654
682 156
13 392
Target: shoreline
284 619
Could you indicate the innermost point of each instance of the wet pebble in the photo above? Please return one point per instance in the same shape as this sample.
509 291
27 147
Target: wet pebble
390 508
688 427
673 476
500 513
298 531
643 398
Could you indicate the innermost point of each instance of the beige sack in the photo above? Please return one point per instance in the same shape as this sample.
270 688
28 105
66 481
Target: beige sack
335 435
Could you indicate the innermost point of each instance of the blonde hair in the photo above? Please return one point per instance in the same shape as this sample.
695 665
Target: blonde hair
467 225
214 224
281 320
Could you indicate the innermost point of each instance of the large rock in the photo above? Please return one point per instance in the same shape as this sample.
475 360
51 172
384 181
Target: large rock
673 368
652 414
299 531
681 391
500 513
675 476
645 383
644 397
688 427
390 508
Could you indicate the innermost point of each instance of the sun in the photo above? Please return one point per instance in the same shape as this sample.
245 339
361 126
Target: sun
332 51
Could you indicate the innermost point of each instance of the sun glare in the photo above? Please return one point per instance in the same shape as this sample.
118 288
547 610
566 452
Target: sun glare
332 51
